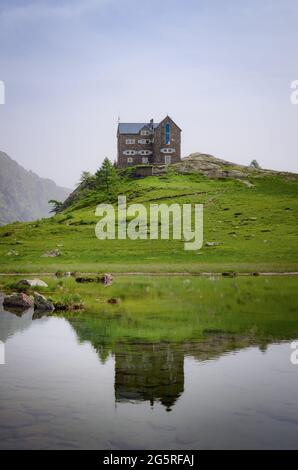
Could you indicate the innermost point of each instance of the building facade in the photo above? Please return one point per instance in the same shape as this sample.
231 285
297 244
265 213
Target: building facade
148 143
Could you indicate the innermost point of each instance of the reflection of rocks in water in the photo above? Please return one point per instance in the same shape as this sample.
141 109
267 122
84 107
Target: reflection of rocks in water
149 372
15 320
17 311
39 314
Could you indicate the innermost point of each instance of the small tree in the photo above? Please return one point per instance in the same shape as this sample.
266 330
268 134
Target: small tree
254 164
85 177
57 205
107 175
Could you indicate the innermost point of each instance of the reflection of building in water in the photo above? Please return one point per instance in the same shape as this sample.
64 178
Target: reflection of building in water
149 372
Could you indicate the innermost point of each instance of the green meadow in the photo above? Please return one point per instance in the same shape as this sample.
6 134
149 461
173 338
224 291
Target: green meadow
254 227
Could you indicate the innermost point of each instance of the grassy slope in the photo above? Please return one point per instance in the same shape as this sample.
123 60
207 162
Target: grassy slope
263 237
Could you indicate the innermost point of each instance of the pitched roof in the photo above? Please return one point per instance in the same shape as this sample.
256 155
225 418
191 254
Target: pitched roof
134 127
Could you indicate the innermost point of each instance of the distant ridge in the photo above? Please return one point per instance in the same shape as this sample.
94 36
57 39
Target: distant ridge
24 195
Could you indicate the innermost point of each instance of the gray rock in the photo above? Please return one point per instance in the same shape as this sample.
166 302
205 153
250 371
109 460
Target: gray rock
12 253
114 300
212 244
82 279
41 303
19 300
32 283
52 253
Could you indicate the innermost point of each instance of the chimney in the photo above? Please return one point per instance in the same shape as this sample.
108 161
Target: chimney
151 123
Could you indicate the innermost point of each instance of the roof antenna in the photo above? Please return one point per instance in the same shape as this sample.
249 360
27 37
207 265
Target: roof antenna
118 120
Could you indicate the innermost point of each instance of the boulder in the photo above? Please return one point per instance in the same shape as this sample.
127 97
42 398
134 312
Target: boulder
41 303
114 300
87 279
32 283
19 300
52 253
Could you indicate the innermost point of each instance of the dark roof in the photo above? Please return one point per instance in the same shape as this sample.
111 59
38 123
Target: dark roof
134 127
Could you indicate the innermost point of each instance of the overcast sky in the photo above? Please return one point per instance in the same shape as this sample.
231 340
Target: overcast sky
221 69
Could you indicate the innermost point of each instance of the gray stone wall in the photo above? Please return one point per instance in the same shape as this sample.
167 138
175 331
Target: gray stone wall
162 152
160 145
123 147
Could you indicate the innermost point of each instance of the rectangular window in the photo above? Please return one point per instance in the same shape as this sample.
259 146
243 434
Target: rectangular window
129 160
129 141
167 159
144 159
167 133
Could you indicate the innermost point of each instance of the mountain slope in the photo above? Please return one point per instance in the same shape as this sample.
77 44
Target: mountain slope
24 195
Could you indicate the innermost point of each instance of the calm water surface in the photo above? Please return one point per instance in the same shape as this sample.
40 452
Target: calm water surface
58 392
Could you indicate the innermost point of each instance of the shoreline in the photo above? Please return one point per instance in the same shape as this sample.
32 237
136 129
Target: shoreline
141 273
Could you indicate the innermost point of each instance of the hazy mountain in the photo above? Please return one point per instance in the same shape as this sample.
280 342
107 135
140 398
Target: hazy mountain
23 194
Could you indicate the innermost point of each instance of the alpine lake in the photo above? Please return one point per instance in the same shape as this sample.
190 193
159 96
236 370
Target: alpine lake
176 362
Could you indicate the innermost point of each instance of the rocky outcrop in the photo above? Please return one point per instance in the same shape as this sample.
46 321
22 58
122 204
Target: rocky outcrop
31 283
42 304
18 300
217 168
212 167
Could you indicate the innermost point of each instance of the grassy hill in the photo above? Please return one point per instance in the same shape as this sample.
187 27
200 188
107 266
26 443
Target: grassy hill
251 214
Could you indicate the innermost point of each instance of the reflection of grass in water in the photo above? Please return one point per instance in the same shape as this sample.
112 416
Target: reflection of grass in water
186 309
160 320
180 309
